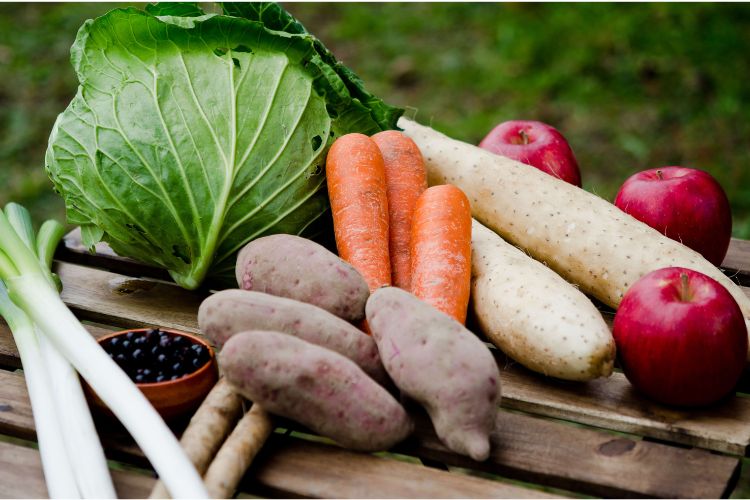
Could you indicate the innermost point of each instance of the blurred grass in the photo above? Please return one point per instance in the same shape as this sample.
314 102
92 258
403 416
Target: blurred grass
631 86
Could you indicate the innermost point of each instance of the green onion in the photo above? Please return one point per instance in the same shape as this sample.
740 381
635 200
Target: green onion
85 455
24 269
57 469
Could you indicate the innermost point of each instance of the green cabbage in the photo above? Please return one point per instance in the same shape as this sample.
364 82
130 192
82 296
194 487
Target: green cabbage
192 134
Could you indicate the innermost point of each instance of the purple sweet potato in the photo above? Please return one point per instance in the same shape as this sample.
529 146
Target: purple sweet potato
440 364
297 268
316 387
228 312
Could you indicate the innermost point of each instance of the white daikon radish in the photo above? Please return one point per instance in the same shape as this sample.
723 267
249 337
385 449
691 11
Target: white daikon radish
583 237
535 316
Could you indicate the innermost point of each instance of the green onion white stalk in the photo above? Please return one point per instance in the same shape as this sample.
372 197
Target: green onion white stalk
85 455
28 284
57 469
85 451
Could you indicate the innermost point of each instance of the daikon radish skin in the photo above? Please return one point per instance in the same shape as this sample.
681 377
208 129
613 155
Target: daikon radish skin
584 238
535 316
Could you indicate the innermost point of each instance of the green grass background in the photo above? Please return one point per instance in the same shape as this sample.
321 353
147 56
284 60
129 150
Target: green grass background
632 86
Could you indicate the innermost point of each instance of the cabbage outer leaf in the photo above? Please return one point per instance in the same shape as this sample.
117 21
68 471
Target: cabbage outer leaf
190 136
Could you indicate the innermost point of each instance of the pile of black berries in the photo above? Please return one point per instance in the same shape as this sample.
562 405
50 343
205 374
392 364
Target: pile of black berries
155 356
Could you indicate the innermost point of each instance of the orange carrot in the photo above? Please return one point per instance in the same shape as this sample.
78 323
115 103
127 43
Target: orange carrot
359 203
405 180
441 250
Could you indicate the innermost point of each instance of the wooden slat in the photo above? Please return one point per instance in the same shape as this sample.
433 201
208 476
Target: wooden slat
21 476
9 358
8 351
72 250
15 409
737 261
118 300
524 448
612 403
591 462
322 471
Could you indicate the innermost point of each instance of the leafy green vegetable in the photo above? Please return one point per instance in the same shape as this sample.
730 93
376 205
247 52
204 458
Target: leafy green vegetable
271 14
191 134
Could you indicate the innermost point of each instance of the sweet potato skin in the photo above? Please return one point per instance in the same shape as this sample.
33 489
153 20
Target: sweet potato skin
297 268
228 312
316 387
440 364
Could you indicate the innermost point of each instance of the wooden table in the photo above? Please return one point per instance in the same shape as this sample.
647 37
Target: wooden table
553 438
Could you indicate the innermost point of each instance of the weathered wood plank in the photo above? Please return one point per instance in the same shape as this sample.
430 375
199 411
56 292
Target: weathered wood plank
8 352
591 462
524 448
322 471
118 300
612 403
72 250
9 357
16 418
21 476
737 261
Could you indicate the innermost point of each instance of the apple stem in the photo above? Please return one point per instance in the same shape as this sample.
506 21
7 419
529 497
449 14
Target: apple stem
524 137
685 295
660 175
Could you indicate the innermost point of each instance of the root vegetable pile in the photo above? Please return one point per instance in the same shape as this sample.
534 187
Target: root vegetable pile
289 344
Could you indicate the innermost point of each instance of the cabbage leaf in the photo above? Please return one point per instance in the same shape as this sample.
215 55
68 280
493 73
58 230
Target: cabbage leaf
192 134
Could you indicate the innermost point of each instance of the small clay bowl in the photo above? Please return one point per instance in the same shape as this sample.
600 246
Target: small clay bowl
171 398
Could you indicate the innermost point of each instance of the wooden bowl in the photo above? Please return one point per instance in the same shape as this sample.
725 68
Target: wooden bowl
171 398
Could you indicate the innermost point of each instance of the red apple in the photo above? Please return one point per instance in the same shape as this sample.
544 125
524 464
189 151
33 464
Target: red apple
681 337
536 144
685 204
